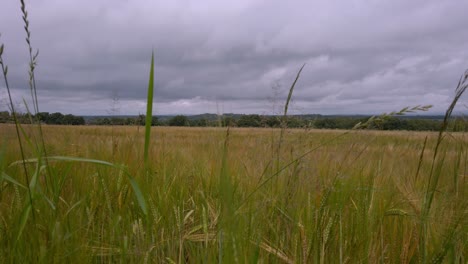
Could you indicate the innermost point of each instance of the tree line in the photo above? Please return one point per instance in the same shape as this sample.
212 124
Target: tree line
43 117
255 120
252 120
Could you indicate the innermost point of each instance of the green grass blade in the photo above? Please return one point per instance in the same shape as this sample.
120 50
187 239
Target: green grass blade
23 220
139 195
291 89
285 114
35 176
9 179
149 111
65 158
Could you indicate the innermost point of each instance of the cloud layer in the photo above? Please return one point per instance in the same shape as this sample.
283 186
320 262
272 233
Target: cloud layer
239 56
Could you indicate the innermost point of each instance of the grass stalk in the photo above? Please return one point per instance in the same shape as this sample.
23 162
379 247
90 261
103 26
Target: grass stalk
149 112
284 120
32 85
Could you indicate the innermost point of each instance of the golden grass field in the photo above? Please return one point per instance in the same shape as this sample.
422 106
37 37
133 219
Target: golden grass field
357 197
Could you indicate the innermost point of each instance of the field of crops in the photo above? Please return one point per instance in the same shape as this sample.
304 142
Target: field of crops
245 195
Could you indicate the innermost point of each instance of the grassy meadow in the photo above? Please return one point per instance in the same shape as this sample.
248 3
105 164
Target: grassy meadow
211 195
214 195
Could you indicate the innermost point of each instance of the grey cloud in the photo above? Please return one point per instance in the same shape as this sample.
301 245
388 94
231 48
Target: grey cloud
362 56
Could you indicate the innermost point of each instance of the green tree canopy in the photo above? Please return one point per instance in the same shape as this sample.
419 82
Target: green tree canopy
179 120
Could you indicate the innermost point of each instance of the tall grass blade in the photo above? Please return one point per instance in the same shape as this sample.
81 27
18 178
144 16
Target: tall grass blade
149 112
139 195
32 85
285 114
421 156
226 193
23 221
291 89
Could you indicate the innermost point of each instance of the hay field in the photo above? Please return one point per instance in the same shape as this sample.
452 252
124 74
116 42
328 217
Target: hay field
321 196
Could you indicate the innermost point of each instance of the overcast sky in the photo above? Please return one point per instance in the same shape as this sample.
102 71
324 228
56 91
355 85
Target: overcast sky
362 57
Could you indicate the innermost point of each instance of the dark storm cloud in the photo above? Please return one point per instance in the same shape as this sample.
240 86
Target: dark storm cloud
239 56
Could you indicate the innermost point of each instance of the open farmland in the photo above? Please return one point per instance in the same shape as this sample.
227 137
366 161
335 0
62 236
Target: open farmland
318 196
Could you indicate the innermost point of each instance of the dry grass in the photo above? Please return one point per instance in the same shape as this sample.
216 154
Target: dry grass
357 195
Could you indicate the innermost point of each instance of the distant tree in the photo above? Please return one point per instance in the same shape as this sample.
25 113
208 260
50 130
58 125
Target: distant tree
394 123
55 118
459 124
179 120
43 116
325 123
249 121
294 122
141 120
117 121
273 121
228 121
106 121
79 121
67 119
202 122
127 121
198 122
423 124
345 122
4 117
154 121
